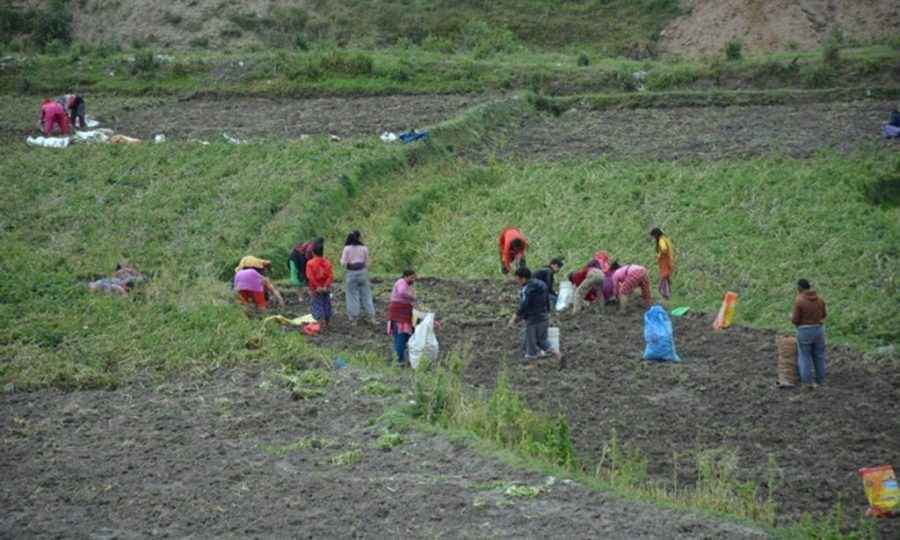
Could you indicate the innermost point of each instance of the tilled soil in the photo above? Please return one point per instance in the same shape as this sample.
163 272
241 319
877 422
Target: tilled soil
258 117
702 132
721 396
211 457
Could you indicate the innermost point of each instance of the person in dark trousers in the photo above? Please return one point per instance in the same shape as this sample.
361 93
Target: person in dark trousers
534 309
546 273
808 316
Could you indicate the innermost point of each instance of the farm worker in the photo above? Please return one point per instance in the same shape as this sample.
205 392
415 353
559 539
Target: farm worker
512 246
400 313
534 309
546 273
808 316
665 258
250 284
297 259
320 274
76 107
590 280
892 128
355 258
53 113
626 279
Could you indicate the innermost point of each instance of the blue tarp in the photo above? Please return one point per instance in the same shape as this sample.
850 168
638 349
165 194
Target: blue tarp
413 135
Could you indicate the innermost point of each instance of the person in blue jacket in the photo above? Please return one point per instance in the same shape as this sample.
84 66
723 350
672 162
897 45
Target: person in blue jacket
534 309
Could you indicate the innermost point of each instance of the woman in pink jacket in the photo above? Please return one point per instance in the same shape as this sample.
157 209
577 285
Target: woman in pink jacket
54 113
400 313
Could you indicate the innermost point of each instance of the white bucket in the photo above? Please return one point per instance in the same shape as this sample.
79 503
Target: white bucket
566 295
553 338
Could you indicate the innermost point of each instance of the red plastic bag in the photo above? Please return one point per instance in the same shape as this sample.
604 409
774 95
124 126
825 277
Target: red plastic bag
312 328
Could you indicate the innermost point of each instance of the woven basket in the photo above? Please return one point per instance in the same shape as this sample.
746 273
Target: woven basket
787 359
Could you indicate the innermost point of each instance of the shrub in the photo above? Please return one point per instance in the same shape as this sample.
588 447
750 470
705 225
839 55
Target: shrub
144 62
54 47
733 49
17 44
107 47
484 40
54 24
437 44
13 22
717 69
582 59
831 46
818 76
289 19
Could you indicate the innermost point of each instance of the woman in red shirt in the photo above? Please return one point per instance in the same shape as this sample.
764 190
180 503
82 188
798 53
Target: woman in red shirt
320 274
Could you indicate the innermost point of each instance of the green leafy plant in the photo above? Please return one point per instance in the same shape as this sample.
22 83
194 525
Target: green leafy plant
387 441
733 49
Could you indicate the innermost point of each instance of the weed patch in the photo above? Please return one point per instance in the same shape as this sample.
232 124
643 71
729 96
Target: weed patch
301 444
348 458
387 441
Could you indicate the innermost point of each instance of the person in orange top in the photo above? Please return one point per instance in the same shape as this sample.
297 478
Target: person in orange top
665 259
512 246
320 274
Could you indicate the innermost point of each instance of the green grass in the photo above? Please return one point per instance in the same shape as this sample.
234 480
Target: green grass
324 69
753 226
186 214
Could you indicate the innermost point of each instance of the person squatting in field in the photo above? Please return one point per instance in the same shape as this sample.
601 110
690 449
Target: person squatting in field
400 313
594 278
76 107
355 258
665 259
808 316
625 279
299 256
250 284
534 309
53 113
512 245
546 273
320 274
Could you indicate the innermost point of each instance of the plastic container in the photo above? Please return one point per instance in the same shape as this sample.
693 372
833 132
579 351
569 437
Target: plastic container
553 338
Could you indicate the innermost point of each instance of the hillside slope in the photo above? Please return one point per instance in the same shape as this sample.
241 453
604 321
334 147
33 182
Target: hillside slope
773 24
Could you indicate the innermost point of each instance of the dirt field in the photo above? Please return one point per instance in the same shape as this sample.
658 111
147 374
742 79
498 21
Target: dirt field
668 134
703 133
720 397
206 118
132 464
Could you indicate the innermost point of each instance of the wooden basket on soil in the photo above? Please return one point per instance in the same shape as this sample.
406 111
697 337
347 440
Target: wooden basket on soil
787 359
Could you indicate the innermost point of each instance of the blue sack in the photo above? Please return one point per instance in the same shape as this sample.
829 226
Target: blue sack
413 135
660 345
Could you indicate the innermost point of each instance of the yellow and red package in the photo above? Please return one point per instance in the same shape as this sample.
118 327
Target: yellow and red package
881 488
726 312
